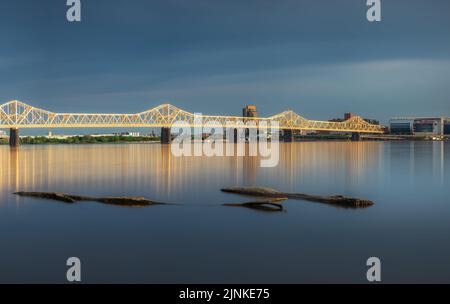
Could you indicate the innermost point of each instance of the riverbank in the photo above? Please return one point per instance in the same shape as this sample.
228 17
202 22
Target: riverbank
369 137
87 139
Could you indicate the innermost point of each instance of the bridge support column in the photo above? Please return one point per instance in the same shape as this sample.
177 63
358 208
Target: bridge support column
288 135
252 138
231 135
14 139
235 136
166 136
356 136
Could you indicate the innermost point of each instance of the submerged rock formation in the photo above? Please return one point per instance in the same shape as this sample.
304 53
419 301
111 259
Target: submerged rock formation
263 205
337 200
69 198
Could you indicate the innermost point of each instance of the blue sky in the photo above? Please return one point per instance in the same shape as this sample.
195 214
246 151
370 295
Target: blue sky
319 58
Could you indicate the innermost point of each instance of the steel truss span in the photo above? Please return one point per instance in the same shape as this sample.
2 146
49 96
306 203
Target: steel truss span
18 115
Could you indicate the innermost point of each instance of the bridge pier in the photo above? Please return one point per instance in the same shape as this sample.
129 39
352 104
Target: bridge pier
235 136
288 135
14 139
356 136
231 135
251 138
166 136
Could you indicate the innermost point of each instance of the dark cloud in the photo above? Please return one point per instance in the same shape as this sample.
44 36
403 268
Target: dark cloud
317 57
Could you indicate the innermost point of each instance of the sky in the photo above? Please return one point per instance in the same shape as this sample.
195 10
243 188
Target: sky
320 58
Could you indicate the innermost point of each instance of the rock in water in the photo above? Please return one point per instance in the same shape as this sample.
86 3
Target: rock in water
49 195
337 200
69 198
128 201
265 205
255 191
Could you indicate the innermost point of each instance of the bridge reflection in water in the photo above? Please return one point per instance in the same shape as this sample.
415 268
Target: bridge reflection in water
151 170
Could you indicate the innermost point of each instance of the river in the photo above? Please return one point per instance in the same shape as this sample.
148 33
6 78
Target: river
200 241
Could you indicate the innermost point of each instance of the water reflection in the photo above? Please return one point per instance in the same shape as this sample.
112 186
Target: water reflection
96 168
407 180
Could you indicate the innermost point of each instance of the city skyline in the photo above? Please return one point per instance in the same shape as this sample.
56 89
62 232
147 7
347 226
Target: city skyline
222 56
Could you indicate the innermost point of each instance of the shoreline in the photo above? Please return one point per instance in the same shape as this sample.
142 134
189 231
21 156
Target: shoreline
81 140
89 139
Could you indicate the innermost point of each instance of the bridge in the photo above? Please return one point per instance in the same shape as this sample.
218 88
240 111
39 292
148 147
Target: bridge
15 115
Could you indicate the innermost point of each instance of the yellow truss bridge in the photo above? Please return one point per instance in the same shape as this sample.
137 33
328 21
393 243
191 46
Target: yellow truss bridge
16 115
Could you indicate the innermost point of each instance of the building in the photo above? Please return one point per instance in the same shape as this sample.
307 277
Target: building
447 126
401 126
249 111
419 126
347 116
432 126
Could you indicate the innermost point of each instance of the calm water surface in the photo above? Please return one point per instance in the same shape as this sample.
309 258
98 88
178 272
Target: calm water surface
202 241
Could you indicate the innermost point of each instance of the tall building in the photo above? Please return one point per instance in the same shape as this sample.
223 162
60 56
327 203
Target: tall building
249 111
